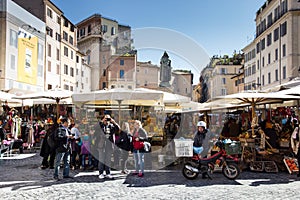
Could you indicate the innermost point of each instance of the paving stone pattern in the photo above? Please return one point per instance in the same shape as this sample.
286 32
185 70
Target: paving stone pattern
23 179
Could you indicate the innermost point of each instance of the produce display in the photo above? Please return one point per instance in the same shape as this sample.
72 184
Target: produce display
291 164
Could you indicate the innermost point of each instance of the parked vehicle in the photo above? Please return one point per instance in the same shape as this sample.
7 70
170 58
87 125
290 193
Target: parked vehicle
205 166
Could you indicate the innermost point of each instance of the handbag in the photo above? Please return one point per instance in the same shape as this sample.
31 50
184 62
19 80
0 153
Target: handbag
138 145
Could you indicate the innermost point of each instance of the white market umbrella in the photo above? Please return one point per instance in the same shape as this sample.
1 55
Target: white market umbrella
255 98
55 95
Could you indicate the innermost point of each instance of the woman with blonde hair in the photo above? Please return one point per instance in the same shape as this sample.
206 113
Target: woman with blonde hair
139 136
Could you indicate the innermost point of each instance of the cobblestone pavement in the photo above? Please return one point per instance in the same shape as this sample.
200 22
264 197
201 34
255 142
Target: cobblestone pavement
23 179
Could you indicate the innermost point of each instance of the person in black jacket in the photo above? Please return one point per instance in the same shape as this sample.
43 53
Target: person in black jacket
63 150
109 128
46 150
199 137
124 142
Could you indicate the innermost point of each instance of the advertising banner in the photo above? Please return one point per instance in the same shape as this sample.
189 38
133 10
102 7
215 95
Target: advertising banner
27 57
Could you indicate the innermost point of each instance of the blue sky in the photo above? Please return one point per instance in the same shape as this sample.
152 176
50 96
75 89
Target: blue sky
218 26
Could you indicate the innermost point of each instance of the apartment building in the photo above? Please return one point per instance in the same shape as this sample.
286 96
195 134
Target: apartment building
68 57
121 71
22 43
147 75
61 44
83 74
100 38
272 58
182 82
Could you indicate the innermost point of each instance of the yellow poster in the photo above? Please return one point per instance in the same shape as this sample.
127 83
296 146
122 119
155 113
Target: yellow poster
27 58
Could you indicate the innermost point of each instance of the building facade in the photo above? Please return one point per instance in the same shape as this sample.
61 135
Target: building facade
272 58
22 38
147 75
100 38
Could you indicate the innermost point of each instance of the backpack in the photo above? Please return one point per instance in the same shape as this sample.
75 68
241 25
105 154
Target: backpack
51 141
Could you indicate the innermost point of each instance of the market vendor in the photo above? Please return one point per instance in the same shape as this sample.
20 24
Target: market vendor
295 143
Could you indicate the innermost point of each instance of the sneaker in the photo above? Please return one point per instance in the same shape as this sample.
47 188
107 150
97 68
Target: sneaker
109 176
101 176
135 173
68 177
140 174
55 178
44 167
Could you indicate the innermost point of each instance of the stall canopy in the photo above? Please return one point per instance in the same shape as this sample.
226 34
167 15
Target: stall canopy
56 95
256 98
138 96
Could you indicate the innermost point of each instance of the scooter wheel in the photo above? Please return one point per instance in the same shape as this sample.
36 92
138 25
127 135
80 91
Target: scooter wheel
231 171
188 172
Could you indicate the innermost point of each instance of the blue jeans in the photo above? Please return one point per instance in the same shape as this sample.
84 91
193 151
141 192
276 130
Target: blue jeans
139 161
83 159
66 158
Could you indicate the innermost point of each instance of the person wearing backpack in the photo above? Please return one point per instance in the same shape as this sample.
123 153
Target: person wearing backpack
63 150
124 142
48 147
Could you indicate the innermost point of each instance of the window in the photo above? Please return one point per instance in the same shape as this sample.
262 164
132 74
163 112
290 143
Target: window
49 50
72 71
276 54
58 19
276 34
269 78
66 23
88 59
263 61
40 51
89 30
12 61
57 54
71 54
269 58
263 79
122 74
82 73
258 64
283 29
223 92
223 71
82 32
270 20
104 72
103 59
66 87
77 72
284 72
263 41
66 51
71 41
113 30
276 75
49 31
58 37
224 81
71 88
65 36
13 40
49 87
104 28
258 47
283 50
77 59
269 39
66 68
253 69
49 13
121 62
40 71
57 69
49 66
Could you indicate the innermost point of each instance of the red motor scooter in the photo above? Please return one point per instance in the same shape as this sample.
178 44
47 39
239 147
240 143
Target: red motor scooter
205 166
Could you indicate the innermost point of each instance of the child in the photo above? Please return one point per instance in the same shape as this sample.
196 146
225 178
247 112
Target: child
85 150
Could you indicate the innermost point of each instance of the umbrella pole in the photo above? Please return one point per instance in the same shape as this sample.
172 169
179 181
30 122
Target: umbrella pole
57 108
253 115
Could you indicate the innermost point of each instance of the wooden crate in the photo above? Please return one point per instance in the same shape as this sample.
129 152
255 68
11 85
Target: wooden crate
287 160
270 166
